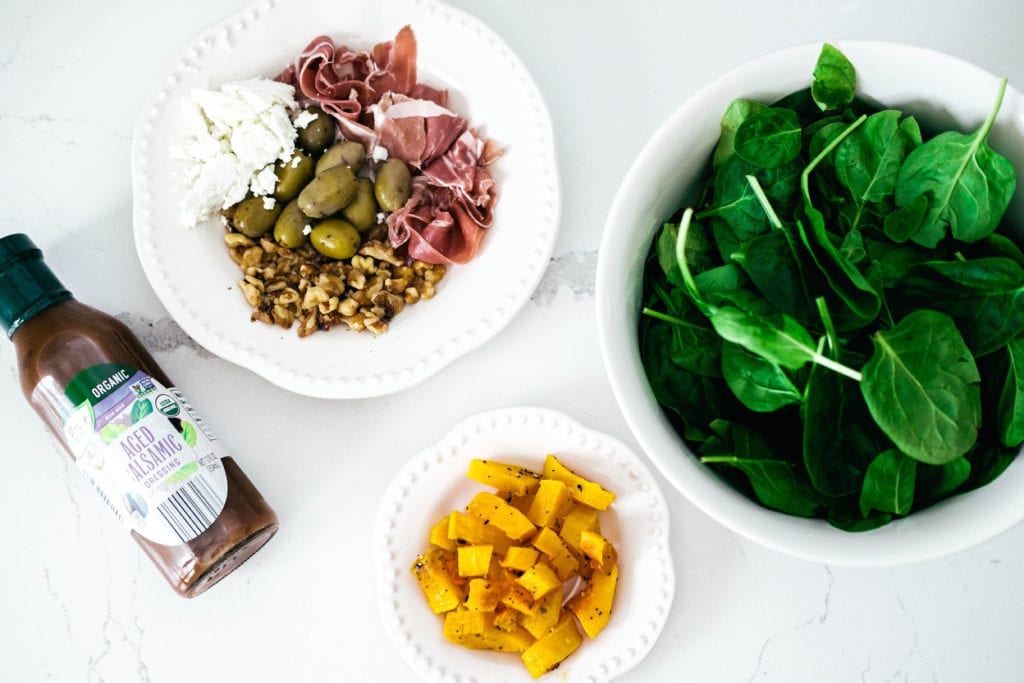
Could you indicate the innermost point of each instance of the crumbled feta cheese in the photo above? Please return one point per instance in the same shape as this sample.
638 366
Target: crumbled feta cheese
307 229
379 153
381 217
269 203
235 134
304 119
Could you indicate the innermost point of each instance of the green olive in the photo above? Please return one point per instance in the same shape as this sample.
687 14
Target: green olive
345 153
361 212
328 193
393 185
290 228
335 238
318 134
252 218
292 176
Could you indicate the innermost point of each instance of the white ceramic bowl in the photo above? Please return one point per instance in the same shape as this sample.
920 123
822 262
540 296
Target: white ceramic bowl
939 90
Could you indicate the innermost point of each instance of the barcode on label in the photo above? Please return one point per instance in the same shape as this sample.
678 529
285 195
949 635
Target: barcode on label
191 510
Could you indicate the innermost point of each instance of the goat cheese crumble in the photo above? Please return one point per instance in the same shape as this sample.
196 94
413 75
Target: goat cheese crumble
234 136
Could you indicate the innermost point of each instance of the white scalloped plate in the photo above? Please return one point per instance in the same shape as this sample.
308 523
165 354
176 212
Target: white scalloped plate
194 277
434 482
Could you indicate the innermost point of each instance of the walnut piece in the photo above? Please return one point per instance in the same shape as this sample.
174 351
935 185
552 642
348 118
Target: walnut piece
287 286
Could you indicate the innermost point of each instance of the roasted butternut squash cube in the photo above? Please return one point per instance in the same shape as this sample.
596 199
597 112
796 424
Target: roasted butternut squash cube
439 535
475 560
519 558
558 554
467 530
494 511
540 579
517 597
597 550
476 630
551 502
582 490
512 478
580 518
544 615
551 650
484 595
440 587
505 618
593 605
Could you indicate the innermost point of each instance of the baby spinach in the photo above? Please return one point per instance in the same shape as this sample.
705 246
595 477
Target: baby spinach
921 386
822 324
966 185
835 79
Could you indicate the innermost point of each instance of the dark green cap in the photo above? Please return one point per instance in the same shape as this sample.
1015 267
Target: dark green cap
27 285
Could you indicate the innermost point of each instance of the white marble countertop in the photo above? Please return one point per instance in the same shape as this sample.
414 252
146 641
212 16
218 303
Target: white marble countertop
79 602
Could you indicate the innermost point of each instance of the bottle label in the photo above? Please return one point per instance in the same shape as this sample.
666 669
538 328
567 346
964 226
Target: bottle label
146 452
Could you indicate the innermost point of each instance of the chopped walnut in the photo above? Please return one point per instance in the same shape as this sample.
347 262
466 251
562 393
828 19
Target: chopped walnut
287 286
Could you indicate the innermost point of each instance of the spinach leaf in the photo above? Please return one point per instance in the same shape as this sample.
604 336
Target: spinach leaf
1010 417
835 80
995 245
868 161
777 483
775 266
839 436
889 484
736 203
738 111
769 138
861 300
985 297
935 482
966 184
921 386
988 461
759 384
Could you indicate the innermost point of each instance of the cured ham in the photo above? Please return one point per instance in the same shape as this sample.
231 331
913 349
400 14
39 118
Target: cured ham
416 131
434 226
376 99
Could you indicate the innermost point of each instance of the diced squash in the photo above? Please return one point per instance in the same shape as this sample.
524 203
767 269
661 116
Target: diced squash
519 558
494 511
580 518
484 595
467 530
551 650
476 630
593 605
475 560
558 555
517 597
597 550
439 535
505 618
550 504
512 478
540 579
583 490
438 584
544 615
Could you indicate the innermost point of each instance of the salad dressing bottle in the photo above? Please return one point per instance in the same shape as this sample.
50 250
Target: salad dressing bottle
128 428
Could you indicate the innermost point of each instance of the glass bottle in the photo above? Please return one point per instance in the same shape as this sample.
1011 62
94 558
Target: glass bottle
128 428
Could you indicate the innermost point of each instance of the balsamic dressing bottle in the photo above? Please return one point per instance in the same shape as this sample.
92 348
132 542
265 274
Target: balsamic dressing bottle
128 428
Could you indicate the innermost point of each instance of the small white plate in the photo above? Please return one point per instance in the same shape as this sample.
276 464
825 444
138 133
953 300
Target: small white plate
434 482
191 272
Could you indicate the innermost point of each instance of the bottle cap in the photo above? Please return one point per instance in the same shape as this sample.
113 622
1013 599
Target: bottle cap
27 285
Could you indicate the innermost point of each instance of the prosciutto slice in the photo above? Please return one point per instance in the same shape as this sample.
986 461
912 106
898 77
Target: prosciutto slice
434 227
376 99
414 130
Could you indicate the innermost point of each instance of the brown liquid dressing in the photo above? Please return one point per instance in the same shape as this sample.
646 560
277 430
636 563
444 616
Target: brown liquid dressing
65 338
